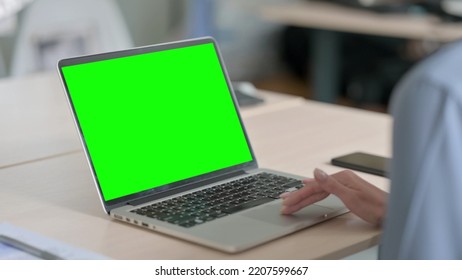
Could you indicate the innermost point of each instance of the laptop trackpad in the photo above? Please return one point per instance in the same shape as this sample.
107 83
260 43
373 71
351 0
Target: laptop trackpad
271 213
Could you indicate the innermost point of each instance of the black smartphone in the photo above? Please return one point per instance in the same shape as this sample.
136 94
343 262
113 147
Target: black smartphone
364 162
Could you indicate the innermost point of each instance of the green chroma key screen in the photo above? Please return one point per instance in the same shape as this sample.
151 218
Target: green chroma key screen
156 118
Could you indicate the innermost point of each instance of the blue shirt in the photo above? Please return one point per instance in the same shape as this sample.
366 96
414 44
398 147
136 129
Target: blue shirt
424 218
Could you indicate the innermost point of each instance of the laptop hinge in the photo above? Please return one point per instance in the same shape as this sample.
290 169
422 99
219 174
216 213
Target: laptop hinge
191 186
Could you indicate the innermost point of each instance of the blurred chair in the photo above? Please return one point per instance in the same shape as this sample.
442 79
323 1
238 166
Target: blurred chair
54 29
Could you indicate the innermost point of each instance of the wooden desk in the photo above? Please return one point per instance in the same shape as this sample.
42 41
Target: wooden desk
34 120
328 19
36 123
55 195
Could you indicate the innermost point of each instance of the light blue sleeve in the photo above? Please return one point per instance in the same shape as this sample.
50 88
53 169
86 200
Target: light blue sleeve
424 218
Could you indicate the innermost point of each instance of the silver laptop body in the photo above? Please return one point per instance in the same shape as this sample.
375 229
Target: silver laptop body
113 93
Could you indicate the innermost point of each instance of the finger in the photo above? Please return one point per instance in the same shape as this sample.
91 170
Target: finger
307 195
285 195
295 197
306 182
292 208
331 185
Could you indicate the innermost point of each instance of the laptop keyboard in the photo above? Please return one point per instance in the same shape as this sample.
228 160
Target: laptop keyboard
221 200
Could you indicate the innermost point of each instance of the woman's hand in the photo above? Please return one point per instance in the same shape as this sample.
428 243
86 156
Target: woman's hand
362 198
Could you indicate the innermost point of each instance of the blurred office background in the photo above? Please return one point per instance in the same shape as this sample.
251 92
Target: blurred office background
272 55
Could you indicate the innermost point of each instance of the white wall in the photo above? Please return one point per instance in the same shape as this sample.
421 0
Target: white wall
149 21
248 43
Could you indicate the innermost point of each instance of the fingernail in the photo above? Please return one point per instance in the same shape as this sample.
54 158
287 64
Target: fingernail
320 175
284 195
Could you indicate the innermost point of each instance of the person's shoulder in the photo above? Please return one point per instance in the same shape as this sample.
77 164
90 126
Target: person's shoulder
440 70
437 76
443 68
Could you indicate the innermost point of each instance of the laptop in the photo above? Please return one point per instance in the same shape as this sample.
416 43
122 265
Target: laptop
168 151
